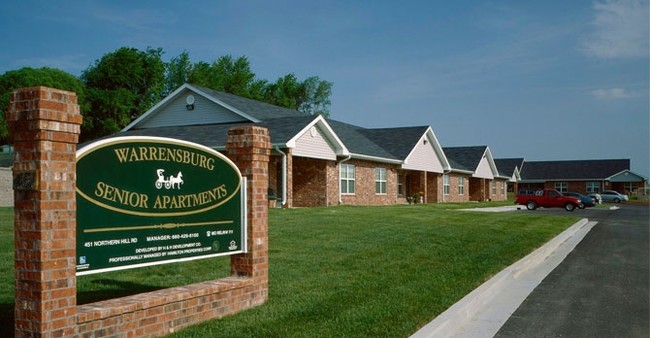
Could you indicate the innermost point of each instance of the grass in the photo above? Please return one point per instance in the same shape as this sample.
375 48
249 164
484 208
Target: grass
343 271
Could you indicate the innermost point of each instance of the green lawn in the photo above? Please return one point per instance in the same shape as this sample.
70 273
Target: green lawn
342 271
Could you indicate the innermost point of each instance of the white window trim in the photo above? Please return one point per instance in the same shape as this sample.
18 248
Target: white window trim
347 179
380 181
593 184
446 186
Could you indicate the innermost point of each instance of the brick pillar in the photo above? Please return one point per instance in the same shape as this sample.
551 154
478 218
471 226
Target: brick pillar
249 148
44 125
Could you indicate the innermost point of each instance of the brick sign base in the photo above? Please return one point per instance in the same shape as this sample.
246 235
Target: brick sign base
44 124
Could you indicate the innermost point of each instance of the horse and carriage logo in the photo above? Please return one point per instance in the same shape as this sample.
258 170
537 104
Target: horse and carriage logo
173 182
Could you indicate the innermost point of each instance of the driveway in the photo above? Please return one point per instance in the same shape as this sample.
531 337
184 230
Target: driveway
600 289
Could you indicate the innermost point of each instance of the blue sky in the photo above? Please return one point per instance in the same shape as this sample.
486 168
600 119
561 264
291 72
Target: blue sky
542 80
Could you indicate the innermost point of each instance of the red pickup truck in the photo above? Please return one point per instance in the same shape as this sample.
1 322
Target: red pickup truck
547 198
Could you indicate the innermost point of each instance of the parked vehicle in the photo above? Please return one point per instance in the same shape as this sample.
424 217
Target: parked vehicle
585 201
613 196
546 199
597 198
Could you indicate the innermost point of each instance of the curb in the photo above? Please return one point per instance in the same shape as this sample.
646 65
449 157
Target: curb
482 312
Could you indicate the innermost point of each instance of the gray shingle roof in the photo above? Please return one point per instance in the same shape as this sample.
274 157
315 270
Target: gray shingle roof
257 109
358 143
573 170
397 141
284 124
506 166
464 158
281 130
209 135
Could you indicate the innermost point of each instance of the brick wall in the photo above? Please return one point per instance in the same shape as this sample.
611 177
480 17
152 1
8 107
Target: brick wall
44 126
365 193
434 187
309 182
333 183
453 195
502 190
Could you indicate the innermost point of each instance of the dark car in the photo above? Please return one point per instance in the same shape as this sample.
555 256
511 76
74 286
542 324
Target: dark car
585 201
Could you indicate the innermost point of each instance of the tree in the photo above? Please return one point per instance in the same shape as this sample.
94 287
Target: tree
201 74
177 72
310 96
234 76
121 86
285 92
30 77
316 96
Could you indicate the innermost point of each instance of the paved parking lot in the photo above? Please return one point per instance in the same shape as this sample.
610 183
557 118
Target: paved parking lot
601 288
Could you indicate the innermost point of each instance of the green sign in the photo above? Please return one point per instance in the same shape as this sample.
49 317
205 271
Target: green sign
148 200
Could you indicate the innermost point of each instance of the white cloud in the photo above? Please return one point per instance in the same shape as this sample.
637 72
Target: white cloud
612 93
621 29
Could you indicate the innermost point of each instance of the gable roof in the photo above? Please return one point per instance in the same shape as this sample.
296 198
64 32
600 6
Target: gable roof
464 158
469 159
359 144
397 141
404 144
217 112
626 176
507 166
257 109
248 110
573 170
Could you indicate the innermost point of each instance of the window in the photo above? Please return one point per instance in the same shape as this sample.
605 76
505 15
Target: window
400 185
629 187
494 187
593 187
502 185
380 180
562 186
347 179
445 184
461 185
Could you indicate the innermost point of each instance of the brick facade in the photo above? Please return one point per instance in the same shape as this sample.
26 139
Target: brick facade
316 183
365 191
581 186
44 125
454 194
501 190
310 187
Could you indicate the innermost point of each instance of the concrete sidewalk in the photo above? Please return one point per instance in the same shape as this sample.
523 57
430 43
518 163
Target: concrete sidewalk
483 311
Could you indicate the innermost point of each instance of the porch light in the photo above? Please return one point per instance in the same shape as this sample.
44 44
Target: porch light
190 102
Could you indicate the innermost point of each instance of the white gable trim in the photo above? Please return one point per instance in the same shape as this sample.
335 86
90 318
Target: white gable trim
328 133
375 159
460 171
625 173
151 112
494 172
431 138
516 175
